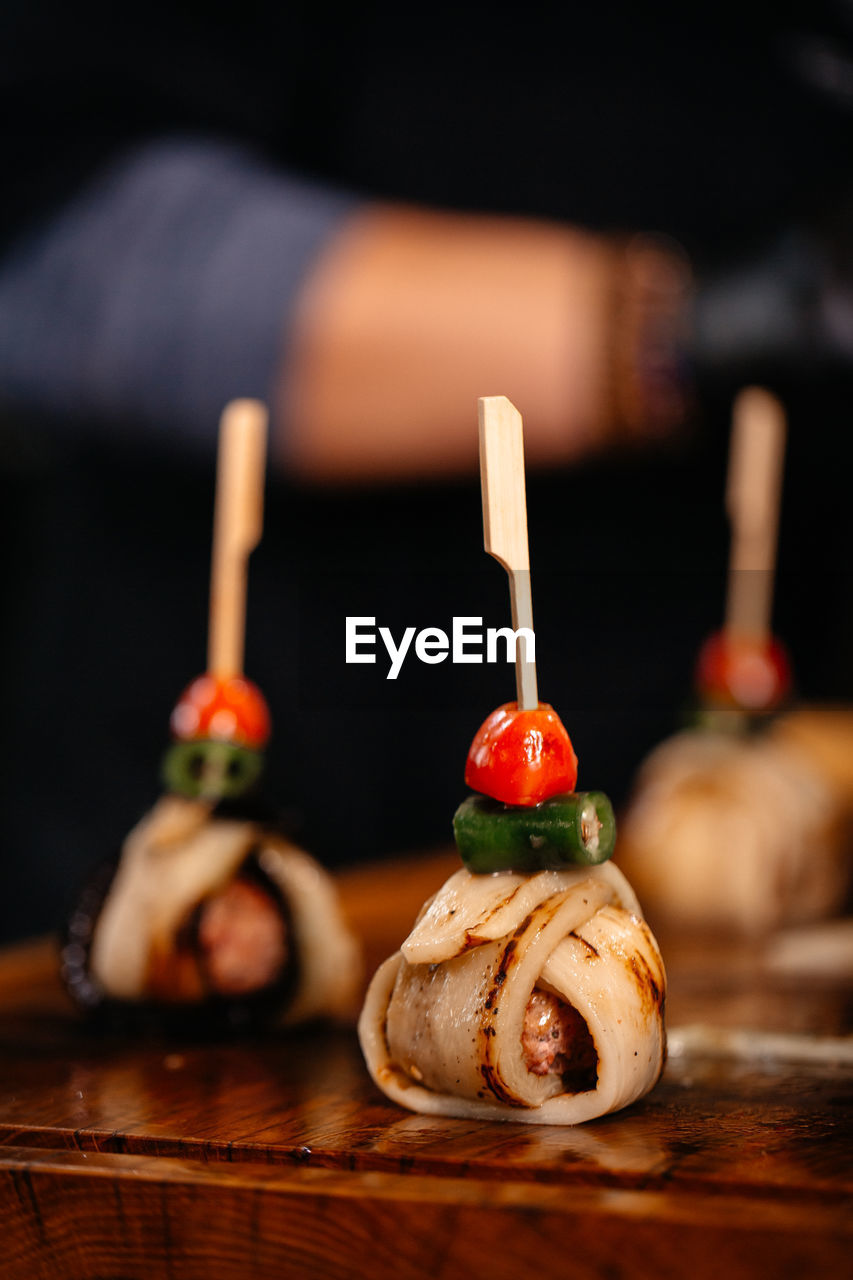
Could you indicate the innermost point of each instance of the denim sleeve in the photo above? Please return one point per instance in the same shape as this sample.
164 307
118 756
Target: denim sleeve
161 290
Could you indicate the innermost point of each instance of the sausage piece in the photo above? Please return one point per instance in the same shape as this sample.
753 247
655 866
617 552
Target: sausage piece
556 1040
242 939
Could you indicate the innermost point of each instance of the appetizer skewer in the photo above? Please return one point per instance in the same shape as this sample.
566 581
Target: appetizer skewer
730 825
743 670
221 722
209 907
530 988
505 525
526 815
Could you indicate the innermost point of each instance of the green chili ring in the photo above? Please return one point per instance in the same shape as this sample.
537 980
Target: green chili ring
211 770
565 831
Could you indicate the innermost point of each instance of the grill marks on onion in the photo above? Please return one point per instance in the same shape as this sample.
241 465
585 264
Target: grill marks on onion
555 1040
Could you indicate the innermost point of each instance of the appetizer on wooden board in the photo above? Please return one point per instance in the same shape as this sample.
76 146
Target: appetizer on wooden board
530 988
735 832
738 823
210 909
743 671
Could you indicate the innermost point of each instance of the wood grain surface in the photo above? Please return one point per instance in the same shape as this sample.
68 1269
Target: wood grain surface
276 1156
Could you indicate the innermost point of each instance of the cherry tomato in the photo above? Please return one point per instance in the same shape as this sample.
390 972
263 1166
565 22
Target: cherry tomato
521 757
751 674
225 708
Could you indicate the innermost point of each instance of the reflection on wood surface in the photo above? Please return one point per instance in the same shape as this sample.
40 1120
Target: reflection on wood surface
276 1156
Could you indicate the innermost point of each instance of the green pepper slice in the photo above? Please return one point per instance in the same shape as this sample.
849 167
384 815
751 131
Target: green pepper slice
578 829
211 770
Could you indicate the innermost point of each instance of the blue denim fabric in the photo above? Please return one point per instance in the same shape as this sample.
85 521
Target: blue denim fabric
161 290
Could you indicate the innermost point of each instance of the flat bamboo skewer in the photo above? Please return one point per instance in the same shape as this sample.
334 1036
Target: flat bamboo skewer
237 525
753 495
505 523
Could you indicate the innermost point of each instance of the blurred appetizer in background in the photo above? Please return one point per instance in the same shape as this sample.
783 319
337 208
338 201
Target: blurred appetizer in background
743 833
530 987
742 822
210 909
743 672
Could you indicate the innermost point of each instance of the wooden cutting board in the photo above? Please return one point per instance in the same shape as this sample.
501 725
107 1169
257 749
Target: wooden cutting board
277 1156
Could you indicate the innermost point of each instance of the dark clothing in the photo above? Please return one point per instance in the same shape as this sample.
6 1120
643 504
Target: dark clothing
203 160
707 124
718 128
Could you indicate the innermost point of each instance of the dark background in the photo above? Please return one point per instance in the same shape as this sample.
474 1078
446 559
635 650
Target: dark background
699 127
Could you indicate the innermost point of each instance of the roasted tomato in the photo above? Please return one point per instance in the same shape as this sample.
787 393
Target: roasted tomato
751 674
522 757
227 709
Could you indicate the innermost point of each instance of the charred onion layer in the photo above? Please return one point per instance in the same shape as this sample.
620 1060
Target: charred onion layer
535 998
207 918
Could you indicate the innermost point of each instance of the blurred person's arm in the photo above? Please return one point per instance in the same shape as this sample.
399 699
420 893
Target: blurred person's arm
410 315
191 272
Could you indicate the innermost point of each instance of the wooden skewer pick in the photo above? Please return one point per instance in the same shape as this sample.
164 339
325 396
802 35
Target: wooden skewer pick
237 524
753 494
505 523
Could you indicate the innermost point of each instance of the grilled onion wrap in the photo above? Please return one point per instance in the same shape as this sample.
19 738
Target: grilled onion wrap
736 833
143 947
442 1025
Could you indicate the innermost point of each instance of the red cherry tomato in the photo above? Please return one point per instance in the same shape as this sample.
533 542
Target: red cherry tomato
751 674
522 757
227 708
